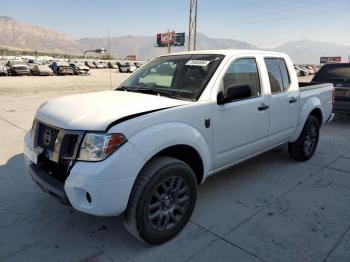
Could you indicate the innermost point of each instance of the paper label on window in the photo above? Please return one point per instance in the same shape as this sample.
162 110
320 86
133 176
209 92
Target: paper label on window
197 63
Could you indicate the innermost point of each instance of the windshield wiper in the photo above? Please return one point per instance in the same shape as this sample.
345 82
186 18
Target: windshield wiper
152 91
124 88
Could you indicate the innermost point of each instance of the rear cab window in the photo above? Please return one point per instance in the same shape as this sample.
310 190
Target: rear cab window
278 74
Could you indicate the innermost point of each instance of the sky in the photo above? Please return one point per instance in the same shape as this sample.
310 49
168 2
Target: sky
268 23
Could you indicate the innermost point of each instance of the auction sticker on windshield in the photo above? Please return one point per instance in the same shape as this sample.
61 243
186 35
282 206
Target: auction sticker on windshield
197 63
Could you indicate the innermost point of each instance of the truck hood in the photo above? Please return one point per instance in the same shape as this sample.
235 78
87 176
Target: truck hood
95 111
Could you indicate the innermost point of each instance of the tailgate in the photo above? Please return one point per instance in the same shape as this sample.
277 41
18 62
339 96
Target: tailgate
342 92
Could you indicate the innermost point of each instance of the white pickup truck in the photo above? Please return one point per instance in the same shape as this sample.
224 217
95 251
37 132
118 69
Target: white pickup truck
144 148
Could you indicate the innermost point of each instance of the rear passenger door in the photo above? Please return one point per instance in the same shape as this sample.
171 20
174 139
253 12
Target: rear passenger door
284 104
240 127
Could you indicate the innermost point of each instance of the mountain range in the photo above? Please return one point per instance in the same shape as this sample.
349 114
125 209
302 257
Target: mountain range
18 35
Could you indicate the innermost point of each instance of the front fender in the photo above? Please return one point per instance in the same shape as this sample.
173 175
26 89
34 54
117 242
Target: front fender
311 104
154 139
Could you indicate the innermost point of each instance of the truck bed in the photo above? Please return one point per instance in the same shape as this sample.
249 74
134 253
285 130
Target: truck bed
322 91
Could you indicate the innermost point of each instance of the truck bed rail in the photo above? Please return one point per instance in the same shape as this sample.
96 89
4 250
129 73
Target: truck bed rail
303 86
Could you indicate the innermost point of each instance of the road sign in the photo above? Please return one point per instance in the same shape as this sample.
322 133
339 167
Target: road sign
175 39
330 59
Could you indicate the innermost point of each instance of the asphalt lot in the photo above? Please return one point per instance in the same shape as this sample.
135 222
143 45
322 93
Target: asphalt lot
270 208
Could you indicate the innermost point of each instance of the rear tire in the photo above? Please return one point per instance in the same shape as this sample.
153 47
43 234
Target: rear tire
304 148
162 200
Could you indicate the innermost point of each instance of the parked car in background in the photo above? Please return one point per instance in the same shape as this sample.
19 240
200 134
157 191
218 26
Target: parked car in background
311 69
339 76
90 64
132 67
315 68
302 71
80 69
138 64
112 65
62 68
41 70
3 70
98 65
123 68
17 68
144 148
33 62
297 71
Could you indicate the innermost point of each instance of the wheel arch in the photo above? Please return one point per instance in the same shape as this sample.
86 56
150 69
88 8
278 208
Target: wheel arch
318 114
187 154
311 107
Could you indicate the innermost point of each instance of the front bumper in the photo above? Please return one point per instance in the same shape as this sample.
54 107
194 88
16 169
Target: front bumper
48 184
97 188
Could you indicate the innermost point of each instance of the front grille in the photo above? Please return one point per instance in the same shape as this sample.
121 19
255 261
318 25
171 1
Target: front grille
47 137
60 148
22 68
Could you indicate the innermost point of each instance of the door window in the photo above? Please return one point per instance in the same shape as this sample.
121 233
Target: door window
243 71
278 74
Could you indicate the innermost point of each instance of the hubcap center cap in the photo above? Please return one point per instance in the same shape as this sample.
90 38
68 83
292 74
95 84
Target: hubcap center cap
168 201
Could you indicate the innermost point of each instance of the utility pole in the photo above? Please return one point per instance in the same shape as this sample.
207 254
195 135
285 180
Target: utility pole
169 50
192 24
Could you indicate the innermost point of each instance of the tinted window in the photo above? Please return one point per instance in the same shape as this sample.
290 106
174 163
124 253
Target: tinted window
278 74
285 74
243 71
338 74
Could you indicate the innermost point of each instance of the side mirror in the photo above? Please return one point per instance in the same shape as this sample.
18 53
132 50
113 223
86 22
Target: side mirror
220 99
234 92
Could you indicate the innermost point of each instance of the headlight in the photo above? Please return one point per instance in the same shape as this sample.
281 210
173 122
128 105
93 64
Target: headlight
97 146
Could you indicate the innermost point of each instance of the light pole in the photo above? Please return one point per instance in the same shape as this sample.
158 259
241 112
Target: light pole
169 51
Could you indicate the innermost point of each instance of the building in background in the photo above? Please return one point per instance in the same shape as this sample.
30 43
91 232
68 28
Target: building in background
131 57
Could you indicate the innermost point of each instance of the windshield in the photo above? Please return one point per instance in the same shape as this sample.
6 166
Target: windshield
16 63
179 76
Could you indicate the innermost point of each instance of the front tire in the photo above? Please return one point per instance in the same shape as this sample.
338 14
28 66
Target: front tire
304 148
162 200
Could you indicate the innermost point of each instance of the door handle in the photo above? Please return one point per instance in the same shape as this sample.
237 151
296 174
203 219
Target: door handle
263 107
293 100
